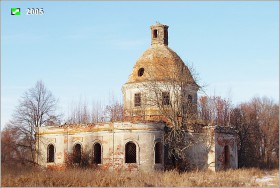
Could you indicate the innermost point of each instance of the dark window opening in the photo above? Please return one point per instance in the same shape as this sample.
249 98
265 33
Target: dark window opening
140 72
97 153
165 34
155 34
50 158
189 99
130 153
165 98
77 155
137 99
158 152
227 156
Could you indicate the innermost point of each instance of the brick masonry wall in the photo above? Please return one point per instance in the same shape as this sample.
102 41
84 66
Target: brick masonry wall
111 137
225 137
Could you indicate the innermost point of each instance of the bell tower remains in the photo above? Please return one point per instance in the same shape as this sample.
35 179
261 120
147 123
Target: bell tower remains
159 34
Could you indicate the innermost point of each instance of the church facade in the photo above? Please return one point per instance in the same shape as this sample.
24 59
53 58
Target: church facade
137 143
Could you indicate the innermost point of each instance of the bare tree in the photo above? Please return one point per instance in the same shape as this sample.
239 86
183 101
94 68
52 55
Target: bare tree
36 108
114 110
10 152
170 92
80 113
257 122
214 110
268 118
97 112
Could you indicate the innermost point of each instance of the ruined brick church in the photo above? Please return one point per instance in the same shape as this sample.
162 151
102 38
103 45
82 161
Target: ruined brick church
138 142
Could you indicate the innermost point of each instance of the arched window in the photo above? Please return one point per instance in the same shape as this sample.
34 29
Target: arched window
158 152
77 153
227 156
155 33
130 152
97 153
50 158
141 72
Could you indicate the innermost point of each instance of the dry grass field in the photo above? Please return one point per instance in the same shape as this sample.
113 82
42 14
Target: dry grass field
23 177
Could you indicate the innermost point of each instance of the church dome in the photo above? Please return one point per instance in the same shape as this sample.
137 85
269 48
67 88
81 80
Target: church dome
159 62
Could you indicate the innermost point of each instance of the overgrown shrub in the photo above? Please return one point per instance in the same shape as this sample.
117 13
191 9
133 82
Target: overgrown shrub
84 162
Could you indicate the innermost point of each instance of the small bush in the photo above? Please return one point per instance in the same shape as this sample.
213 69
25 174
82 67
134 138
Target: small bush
84 162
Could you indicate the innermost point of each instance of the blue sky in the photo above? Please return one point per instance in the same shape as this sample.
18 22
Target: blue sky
86 50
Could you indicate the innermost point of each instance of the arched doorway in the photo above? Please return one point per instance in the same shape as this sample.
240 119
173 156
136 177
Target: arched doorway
227 157
97 153
158 152
50 157
77 154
